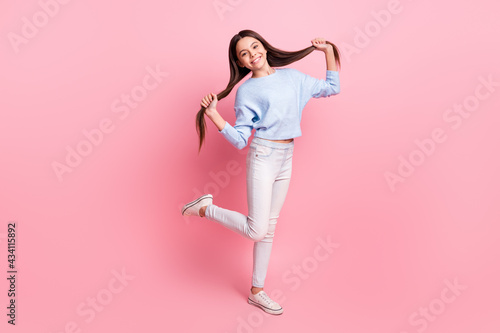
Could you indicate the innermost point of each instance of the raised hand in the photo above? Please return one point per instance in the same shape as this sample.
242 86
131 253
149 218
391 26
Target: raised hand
209 102
320 44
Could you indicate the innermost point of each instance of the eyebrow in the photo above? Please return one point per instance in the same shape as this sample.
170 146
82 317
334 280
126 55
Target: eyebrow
250 46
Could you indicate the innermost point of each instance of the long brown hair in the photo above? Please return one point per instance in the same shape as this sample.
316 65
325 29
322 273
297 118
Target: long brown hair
275 58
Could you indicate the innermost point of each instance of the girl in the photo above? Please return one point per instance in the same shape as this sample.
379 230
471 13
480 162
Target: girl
271 102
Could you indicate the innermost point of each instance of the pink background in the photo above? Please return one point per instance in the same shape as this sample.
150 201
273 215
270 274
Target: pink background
118 210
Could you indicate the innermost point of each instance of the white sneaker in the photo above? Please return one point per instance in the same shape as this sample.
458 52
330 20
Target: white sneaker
263 301
193 208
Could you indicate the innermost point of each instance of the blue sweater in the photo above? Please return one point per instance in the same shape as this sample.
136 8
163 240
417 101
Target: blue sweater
272 104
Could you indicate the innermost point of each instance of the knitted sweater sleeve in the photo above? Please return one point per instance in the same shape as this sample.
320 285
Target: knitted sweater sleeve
312 87
238 134
317 88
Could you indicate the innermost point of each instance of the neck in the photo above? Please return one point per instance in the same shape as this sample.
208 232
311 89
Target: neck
264 71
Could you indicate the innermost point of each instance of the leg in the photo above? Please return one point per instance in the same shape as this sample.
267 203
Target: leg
261 173
262 249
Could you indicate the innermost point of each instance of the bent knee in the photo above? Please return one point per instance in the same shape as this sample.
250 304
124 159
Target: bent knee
259 235
263 235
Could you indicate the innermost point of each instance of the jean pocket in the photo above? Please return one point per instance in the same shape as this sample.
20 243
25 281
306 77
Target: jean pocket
263 151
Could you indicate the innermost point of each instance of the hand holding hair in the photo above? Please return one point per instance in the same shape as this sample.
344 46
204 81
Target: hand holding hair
321 45
209 104
209 101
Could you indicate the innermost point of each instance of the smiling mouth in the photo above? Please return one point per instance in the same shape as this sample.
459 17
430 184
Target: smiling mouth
253 62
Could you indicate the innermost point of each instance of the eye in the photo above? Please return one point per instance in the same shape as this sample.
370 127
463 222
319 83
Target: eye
256 46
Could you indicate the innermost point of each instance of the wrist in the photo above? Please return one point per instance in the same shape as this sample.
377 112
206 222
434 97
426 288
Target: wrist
211 113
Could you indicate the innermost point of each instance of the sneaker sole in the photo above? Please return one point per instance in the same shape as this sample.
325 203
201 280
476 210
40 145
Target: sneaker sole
192 203
267 310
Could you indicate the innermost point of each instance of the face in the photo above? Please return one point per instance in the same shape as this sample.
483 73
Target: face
251 53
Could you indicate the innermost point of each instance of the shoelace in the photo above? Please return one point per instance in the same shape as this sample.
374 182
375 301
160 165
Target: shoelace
266 298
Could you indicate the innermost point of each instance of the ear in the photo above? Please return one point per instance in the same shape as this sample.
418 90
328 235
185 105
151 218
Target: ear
239 63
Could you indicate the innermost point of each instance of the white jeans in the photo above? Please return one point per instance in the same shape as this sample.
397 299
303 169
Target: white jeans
269 168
